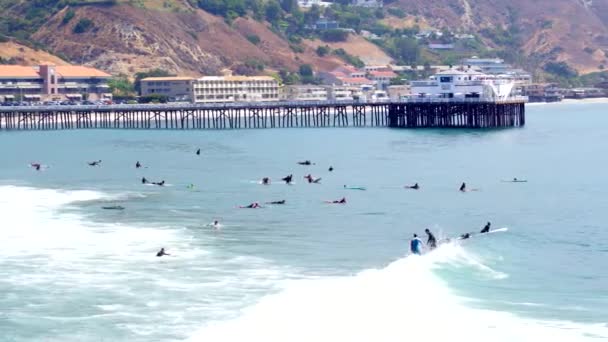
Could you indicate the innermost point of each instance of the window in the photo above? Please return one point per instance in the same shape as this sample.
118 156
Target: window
445 79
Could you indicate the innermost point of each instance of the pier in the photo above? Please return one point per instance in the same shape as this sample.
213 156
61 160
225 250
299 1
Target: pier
416 113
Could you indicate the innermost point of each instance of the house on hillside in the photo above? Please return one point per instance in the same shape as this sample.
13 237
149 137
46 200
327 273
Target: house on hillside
441 46
368 3
310 3
382 79
325 24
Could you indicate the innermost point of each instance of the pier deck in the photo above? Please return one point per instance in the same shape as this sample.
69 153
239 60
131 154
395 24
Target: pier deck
471 113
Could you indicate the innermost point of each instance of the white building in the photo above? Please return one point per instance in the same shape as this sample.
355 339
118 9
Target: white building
368 3
310 3
306 93
214 89
461 84
211 89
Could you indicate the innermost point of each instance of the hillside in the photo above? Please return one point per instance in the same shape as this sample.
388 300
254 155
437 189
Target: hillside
129 36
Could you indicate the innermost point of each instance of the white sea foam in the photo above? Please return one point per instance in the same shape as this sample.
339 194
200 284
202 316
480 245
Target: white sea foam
404 301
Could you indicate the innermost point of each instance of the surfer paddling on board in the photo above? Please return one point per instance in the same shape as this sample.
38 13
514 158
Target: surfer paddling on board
416 245
287 179
137 165
265 181
95 163
431 241
162 252
306 162
36 166
276 202
161 183
340 201
486 228
253 205
310 179
414 187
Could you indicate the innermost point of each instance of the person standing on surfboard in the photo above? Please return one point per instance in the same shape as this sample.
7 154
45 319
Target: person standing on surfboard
486 229
431 242
416 245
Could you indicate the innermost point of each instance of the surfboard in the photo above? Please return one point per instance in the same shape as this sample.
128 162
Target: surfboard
515 181
113 207
497 230
355 188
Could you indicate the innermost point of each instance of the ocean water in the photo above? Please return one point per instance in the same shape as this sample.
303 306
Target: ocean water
307 270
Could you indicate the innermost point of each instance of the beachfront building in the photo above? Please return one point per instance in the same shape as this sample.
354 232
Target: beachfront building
175 88
497 66
49 82
213 89
210 89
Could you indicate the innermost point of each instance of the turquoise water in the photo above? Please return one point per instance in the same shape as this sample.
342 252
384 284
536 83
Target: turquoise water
71 271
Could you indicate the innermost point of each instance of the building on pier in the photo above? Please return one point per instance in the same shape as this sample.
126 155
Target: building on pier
50 82
462 84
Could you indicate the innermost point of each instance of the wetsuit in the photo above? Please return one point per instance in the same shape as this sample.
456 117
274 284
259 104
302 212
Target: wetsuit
416 246
486 229
431 242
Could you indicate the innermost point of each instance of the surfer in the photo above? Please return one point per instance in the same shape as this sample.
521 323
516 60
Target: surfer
415 186
144 180
253 205
463 187
416 245
216 224
287 179
465 236
276 202
340 201
137 165
198 152
306 162
190 186
95 163
311 179
486 229
162 252
161 183
331 168
36 166
266 181
431 242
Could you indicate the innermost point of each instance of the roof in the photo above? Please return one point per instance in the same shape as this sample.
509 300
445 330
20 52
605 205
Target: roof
237 78
166 79
378 73
62 70
356 80
18 71
79 71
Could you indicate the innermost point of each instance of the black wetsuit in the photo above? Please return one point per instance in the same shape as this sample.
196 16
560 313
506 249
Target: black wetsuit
486 229
431 242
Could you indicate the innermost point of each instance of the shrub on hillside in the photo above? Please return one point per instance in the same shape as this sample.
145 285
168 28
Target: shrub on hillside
334 35
83 26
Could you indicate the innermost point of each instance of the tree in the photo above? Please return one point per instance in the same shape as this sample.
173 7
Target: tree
407 50
289 6
83 26
306 70
323 51
120 86
272 11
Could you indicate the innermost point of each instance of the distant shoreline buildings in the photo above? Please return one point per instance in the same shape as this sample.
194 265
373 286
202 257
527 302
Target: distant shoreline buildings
48 82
